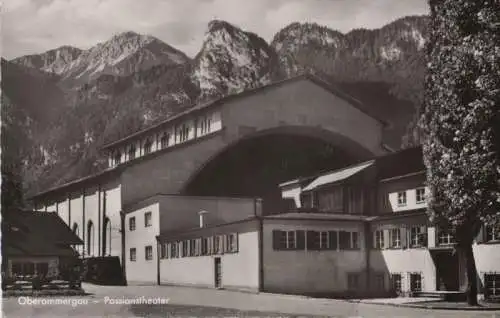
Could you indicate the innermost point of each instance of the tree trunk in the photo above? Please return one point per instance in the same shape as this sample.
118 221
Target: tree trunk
471 275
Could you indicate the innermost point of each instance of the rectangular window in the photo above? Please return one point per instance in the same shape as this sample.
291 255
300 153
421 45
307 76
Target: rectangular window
174 250
217 244
163 250
348 240
402 198
205 124
192 247
396 281
133 254
445 238
232 242
148 219
185 249
288 240
378 239
147 147
418 236
320 240
183 133
352 281
420 195
415 282
204 246
492 285
395 238
492 233
148 252
131 224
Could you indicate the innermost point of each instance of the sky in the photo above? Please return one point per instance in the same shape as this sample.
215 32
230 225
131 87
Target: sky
35 26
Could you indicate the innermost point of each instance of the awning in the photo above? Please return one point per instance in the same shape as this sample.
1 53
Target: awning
338 175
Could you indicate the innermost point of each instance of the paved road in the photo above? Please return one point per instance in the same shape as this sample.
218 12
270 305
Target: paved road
192 302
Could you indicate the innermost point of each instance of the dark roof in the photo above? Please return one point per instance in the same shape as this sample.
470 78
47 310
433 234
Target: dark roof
316 216
400 163
36 233
308 76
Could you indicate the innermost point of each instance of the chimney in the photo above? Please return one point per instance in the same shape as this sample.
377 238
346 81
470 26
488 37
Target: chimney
202 218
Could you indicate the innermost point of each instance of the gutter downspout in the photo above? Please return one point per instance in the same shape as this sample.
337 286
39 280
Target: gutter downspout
158 260
367 254
124 260
260 247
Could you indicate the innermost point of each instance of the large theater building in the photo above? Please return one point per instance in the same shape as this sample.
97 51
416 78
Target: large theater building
205 198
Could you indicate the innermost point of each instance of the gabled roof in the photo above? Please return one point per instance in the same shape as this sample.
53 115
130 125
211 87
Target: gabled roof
339 175
36 233
203 106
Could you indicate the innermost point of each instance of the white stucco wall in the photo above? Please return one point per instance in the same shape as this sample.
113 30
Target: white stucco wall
306 271
112 210
239 270
142 270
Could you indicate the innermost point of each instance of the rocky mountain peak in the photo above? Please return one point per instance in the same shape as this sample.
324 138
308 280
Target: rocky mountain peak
52 61
232 60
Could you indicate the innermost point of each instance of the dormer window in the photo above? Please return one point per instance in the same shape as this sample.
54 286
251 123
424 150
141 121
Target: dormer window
164 140
118 158
147 146
402 198
131 152
420 195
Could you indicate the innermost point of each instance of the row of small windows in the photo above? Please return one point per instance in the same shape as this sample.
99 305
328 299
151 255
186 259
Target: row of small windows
315 240
203 246
148 221
415 237
416 282
182 133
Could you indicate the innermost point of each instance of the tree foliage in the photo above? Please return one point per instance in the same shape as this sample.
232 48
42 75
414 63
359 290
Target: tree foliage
461 116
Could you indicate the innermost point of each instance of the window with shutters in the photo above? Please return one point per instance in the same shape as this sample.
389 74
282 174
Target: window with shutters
395 238
288 240
378 239
192 247
320 240
232 243
418 236
163 250
348 240
204 246
174 249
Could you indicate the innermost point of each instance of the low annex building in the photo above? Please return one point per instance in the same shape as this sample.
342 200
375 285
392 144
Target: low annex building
36 243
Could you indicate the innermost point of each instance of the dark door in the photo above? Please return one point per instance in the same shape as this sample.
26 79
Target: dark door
218 272
447 278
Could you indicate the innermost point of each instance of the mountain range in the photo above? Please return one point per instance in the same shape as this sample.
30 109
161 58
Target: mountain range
60 106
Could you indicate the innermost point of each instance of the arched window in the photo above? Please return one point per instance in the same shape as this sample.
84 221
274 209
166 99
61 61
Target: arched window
106 248
147 146
90 238
131 152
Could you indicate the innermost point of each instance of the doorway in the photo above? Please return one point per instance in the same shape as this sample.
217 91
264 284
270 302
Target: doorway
447 270
218 272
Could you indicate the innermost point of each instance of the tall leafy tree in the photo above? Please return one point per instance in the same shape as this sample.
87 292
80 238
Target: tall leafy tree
461 122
